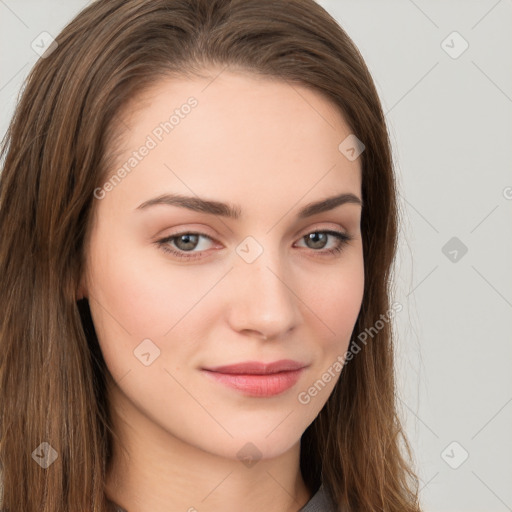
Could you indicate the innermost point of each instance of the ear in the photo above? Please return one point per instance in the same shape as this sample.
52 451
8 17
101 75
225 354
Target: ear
82 291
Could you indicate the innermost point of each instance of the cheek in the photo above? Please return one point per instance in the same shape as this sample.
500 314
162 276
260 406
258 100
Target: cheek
140 293
335 296
138 299
145 299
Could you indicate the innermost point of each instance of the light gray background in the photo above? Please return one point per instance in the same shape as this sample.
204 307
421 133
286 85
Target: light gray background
451 127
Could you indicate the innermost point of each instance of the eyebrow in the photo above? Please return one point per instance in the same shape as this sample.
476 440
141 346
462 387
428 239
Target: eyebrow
228 210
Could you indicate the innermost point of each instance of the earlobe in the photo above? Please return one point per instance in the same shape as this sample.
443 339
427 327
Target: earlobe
82 290
80 294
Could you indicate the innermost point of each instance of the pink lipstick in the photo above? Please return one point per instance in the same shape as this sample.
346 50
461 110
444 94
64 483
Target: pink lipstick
257 379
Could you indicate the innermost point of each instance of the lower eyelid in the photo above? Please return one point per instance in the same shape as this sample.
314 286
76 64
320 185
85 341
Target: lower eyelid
341 239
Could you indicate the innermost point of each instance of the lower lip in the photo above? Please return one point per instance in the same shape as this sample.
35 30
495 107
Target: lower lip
258 385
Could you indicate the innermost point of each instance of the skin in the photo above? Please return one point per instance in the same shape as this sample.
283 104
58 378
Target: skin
271 149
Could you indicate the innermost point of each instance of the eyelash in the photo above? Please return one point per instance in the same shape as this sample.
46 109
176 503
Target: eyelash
343 239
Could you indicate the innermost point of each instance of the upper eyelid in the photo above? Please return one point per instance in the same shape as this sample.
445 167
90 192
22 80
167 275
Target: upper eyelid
201 231
213 239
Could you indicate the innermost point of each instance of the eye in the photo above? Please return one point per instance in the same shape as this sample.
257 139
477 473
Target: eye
318 240
185 242
188 242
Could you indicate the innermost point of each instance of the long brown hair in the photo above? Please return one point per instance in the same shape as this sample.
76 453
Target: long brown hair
58 149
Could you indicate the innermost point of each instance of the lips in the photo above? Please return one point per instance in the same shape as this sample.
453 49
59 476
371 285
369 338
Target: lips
258 368
256 379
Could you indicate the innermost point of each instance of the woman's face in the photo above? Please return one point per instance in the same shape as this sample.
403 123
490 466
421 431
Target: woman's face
259 287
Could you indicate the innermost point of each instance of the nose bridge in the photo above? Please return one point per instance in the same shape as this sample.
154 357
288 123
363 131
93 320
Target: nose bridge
263 300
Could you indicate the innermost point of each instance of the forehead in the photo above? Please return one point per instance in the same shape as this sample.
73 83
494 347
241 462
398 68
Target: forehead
236 136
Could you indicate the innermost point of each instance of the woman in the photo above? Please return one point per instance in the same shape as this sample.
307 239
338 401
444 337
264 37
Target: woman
198 219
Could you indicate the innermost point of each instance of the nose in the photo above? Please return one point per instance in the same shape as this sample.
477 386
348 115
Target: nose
262 298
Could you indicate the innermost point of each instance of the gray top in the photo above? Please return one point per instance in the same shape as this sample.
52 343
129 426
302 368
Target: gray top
319 502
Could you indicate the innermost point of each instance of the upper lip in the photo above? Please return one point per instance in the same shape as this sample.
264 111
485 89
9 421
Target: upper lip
258 368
